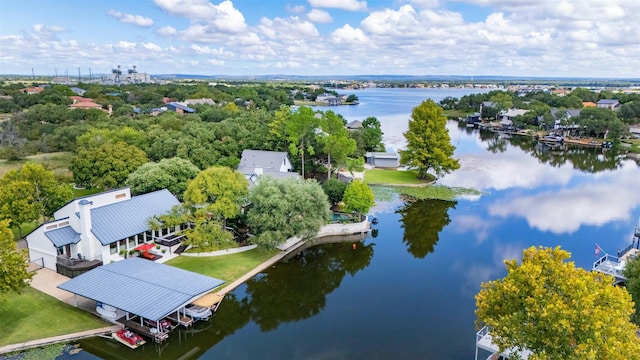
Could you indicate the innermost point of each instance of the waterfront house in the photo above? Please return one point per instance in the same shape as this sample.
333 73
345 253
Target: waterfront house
256 163
354 125
388 160
506 118
94 230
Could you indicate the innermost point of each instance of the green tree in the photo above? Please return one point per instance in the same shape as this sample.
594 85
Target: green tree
428 143
337 144
108 165
96 137
209 235
218 191
358 197
172 174
632 273
14 275
502 100
334 189
558 311
282 208
372 134
300 130
30 192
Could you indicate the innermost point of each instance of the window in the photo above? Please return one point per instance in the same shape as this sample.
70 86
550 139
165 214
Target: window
60 250
121 195
122 244
148 236
132 242
113 248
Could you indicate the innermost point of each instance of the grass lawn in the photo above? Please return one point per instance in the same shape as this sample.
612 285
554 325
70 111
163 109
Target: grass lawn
36 315
392 177
227 267
58 162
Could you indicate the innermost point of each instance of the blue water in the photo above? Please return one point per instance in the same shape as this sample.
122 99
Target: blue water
408 293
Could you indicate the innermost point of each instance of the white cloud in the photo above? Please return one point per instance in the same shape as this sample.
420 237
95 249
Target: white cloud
131 19
223 17
349 35
295 9
216 62
612 198
167 31
152 46
319 16
351 5
287 29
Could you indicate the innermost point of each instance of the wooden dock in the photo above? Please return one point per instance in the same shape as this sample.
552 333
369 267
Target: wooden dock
181 320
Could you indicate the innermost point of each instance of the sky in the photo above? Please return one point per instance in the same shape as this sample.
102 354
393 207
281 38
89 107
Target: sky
540 38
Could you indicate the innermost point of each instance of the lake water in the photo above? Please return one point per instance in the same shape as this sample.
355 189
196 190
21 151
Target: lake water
408 292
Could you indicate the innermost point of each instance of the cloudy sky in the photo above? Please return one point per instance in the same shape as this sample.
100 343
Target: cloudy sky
583 38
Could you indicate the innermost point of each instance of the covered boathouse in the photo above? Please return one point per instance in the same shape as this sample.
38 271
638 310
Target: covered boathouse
143 293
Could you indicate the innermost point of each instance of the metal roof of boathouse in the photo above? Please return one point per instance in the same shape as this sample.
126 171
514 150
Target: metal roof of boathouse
141 287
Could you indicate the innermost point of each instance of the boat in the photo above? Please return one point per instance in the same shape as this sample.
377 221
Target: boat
128 338
198 312
106 311
552 138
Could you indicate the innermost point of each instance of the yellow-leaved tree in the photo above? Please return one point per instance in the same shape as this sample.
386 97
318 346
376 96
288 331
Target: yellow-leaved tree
557 311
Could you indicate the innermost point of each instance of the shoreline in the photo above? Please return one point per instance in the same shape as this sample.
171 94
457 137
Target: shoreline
364 226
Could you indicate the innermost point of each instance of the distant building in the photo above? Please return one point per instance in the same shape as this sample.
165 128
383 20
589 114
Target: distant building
389 160
589 104
608 104
179 108
32 90
506 118
354 125
78 91
202 101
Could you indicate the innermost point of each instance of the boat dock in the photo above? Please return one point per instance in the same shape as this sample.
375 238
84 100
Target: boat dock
150 332
180 320
614 265
484 341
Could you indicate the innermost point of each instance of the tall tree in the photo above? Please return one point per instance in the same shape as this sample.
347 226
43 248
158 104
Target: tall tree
108 165
372 134
30 192
558 311
14 275
337 144
358 197
172 174
282 208
334 189
428 143
300 130
218 191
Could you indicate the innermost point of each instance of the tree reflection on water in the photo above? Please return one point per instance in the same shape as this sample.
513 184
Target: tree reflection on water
422 221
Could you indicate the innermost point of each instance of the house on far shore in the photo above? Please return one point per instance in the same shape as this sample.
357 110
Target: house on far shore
608 104
179 108
589 104
506 119
387 160
202 101
257 163
354 125
91 231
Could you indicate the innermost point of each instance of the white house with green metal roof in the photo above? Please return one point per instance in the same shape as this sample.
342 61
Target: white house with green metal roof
92 230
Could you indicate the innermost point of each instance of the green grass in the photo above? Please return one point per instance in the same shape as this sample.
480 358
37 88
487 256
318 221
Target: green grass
58 162
454 114
36 315
392 177
228 267
436 192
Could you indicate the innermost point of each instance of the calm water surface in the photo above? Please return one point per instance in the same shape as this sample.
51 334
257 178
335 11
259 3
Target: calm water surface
408 292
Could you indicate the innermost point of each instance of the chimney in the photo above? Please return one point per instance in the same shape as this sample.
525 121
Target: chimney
87 246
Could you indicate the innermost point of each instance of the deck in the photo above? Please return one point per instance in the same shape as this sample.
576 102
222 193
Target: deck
181 320
484 341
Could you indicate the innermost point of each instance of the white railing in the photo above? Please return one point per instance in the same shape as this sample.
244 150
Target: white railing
610 265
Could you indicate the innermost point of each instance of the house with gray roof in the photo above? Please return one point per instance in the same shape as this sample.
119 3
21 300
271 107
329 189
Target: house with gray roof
93 230
611 104
180 108
506 118
257 163
388 160
354 125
